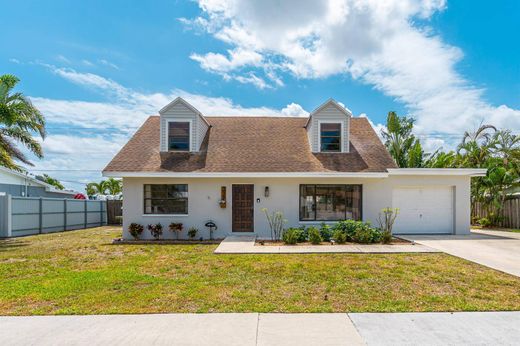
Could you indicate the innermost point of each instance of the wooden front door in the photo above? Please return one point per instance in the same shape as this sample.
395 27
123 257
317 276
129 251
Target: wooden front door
243 208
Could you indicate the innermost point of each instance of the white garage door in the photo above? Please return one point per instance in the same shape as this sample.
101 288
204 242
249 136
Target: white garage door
424 210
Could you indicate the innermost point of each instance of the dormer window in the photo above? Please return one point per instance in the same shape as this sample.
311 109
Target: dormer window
330 137
179 136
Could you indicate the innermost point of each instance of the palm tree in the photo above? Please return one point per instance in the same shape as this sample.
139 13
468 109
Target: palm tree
19 119
441 159
51 181
113 186
505 144
481 134
400 141
96 188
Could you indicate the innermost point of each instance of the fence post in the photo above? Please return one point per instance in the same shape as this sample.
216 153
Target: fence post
100 213
5 216
85 212
40 230
64 214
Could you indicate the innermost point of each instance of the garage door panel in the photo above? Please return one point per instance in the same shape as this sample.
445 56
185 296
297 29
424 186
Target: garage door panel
424 210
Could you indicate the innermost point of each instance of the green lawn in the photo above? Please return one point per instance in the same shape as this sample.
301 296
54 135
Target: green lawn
82 273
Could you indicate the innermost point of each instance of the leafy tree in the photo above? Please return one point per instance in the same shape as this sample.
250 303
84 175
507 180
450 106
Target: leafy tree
51 181
19 120
114 186
403 146
505 144
110 186
441 159
482 134
96 188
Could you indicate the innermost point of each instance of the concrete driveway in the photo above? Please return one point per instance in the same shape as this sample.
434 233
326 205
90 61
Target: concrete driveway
494 249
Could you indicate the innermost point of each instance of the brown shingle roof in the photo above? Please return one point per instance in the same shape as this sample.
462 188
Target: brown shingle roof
253 144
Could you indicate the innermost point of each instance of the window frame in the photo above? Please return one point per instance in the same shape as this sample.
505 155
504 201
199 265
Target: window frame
341 135
316 219
166 214
190 134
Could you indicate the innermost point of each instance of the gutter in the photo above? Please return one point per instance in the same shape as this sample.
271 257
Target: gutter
472 172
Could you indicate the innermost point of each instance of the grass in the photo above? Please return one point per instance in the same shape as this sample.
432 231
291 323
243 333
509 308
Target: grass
497 229
80 272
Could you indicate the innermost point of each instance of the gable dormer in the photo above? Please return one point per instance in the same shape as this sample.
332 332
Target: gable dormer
183 127
328 128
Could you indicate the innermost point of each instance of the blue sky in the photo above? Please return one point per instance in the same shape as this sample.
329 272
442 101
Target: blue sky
97 69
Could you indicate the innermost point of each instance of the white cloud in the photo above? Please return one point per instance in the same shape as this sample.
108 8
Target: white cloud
294 109
219 63
87 63
374 41
62 59
14 61
108 63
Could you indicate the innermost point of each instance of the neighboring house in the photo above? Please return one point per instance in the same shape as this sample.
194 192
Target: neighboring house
20 184
182 166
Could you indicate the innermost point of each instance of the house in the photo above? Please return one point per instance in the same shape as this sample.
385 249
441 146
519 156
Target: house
22 184
182 166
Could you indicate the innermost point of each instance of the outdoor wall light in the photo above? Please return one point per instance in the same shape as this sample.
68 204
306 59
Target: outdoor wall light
266 191
222 200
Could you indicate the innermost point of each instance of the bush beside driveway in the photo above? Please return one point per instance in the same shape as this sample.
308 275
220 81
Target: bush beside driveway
80 272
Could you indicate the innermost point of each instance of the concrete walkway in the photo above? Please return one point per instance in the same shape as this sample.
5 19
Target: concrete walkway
494 249
246 245
181 329
439 328
252 329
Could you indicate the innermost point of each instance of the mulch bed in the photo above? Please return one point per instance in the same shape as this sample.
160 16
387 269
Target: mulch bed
165 241
395 241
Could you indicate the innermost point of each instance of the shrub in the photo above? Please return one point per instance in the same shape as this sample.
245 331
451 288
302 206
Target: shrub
291 235
135 230
314 235
304 234
176 228
325 232
348 227
386 223
386 237
484 222
192 232
339 236
366 234
156 230
276 222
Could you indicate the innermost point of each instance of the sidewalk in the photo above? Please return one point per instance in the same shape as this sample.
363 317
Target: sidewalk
246 245
251 329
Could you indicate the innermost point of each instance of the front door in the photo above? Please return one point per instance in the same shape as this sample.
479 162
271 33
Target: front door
243 208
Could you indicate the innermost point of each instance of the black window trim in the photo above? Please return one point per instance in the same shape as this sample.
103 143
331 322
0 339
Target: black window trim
168 122
174 214
315 219
340 136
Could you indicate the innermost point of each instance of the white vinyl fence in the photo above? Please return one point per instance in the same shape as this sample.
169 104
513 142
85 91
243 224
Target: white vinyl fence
21 216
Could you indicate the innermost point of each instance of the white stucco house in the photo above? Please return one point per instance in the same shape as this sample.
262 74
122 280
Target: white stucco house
22 184
183 166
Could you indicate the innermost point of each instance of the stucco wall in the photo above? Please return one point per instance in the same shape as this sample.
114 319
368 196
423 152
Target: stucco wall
204 194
